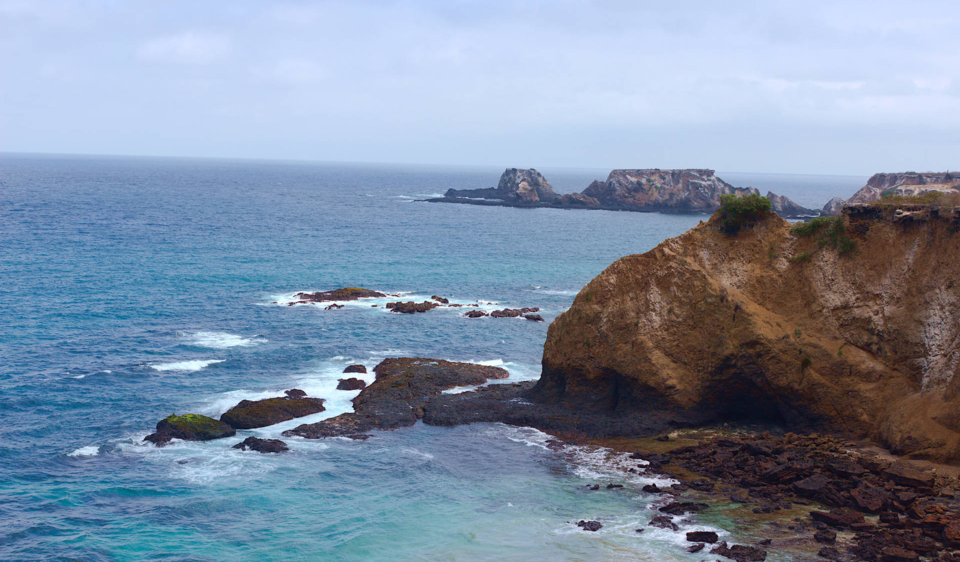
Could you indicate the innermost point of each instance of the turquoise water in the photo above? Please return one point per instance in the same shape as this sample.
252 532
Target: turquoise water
136 288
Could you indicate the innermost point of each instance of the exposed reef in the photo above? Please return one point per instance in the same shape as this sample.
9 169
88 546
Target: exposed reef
345 294
189 427
652 190
397 396
250 414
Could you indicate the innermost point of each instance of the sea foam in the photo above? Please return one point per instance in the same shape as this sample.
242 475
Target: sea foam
88 451
220 340
187 366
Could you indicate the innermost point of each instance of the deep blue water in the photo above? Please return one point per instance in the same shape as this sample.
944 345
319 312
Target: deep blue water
135 288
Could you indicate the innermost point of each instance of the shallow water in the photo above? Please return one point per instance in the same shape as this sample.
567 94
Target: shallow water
136 288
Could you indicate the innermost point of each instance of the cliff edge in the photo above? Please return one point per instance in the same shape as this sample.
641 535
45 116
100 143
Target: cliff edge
850 323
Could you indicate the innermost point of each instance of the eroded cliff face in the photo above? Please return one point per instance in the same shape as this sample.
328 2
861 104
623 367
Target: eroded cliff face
907 184
666 190
769 325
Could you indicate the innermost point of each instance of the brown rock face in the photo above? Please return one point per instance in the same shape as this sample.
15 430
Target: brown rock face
693 191
769 325
250 414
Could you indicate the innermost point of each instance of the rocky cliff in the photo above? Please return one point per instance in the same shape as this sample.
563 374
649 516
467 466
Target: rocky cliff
786 208
850 323
518 186
689 191
905 184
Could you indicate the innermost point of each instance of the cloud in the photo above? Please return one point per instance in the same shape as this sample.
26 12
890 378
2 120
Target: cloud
186 48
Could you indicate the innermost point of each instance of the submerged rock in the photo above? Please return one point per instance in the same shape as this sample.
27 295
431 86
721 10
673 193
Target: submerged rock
397 396
351 384
589 525
250 414
189 427
663 522
262 445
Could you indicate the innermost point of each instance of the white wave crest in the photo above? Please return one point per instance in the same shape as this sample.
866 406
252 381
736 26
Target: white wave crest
186 366
221 340
88 451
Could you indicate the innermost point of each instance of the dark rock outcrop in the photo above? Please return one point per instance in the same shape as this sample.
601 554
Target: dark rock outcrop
262 445
475 314
345 294
411 307
249 414
189 427
351 384
776 325
355 369
398 395
702 536
589 525
295 393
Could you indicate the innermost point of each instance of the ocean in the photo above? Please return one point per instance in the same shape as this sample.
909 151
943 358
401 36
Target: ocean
133 288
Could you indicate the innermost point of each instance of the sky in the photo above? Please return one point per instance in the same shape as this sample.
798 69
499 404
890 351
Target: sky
760 86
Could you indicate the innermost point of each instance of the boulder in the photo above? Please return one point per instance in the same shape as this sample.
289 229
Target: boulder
740 553
351 384
295 393
506 313
189 427
440 300
411 307
250 414
355 369
702 536
663 522
262 445
906 476
475 314
679 508
533 317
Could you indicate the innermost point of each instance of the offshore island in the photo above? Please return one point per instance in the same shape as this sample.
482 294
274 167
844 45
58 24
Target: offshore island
809 370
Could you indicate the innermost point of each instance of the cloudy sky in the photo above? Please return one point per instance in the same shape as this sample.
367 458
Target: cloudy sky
765 86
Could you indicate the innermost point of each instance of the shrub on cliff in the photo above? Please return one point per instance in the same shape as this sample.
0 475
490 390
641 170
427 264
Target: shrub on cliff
832 233
737 212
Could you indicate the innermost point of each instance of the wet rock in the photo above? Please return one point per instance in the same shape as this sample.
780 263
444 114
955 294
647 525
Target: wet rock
262 445
411 307
355 369
398 395
345 294
679 508
295 393
475 314
663 522
533 317
506 313
613 486
440 299
695 547
702 537
740 553
651 489
358 436
829 553
589 525
333 306
825 537
189 427
250 414
595 487
351 384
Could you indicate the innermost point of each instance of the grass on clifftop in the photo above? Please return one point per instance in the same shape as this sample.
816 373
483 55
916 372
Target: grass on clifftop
831 233
935 199
737 212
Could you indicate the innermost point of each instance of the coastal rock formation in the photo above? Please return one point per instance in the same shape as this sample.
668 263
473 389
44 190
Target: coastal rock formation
250 414
355 369
411 307
189 427
787 209
262 445
396 398
345 294
517 185
676 191
351 384
833 208
906 184
851 323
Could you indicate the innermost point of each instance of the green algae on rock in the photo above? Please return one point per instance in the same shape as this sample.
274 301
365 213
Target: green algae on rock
249 414
189 427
